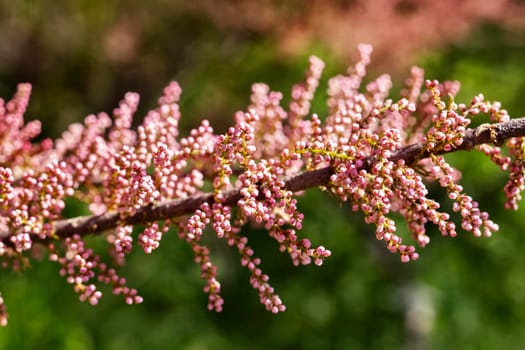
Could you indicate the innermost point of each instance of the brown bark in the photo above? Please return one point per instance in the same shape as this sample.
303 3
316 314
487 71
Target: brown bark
487 133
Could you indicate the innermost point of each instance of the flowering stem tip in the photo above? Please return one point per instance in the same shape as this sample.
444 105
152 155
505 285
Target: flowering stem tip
376 154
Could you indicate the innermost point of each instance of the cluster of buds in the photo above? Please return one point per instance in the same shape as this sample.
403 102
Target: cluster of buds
369 151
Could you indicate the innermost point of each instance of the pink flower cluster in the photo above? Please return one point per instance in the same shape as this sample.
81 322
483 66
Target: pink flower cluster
259 166
80 266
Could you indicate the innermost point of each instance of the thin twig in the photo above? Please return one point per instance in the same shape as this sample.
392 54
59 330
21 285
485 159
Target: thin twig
487 133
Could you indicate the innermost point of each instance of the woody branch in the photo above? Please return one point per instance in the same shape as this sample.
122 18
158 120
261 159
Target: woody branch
495 133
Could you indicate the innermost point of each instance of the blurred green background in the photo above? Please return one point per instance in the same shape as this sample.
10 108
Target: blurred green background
82 56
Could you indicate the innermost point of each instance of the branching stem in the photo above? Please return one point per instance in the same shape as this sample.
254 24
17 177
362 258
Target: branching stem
486 133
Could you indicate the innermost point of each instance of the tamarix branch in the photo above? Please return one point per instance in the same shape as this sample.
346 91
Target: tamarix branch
374 153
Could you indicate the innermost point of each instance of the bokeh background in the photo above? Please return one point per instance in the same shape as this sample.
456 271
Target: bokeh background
82 56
